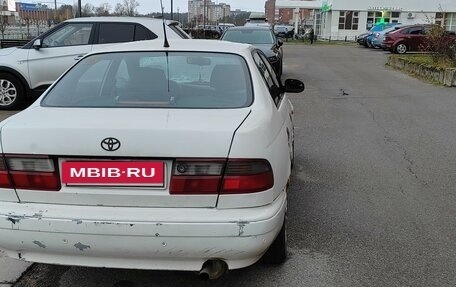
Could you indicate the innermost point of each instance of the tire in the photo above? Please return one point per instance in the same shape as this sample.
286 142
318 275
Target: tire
277 252
280 71
292 152
292 155
401 48
12 94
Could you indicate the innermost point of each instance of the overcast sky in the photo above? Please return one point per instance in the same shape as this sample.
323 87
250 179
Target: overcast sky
147 6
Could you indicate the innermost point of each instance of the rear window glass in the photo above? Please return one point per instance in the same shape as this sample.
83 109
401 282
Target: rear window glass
155 79
249 36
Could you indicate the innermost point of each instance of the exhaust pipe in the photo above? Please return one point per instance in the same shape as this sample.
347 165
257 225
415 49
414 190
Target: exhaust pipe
213 269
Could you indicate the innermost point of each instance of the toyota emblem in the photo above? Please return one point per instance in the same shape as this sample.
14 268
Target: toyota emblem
110 144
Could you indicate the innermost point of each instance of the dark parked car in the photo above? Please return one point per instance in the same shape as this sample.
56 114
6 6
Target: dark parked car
361 39
262 38
283 31
410 38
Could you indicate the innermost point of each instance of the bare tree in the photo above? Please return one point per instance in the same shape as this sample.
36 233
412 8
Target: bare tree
118 10
88 10
103 10
127 8
65 12
3 23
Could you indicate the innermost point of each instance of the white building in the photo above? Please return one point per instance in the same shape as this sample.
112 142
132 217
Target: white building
206 11
348 18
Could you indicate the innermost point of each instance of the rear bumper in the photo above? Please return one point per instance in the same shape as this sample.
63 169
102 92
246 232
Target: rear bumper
139 238
387 45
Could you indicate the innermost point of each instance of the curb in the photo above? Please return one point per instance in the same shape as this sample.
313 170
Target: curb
446 77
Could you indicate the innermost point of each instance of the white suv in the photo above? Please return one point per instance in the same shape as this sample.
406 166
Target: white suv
27 71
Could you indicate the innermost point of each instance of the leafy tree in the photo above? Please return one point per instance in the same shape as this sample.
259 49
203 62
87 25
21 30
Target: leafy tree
441 44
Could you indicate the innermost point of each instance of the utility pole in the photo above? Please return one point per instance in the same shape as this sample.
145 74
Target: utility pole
55 12
204 14
172 16
79 8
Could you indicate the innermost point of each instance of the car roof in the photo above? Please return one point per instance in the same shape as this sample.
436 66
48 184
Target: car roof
250 28
414 25
179 45
140 20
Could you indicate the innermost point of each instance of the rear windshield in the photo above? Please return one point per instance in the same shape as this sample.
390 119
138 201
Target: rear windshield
249 36
155 79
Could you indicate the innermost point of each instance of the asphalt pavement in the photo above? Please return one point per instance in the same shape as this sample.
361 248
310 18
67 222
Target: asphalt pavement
372 196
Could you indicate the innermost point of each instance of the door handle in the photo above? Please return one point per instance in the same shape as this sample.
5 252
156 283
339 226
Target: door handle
78 57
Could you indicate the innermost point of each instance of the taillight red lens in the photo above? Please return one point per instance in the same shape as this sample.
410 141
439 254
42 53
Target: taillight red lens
5 181
195 185
36 180
247 176
240 176
34 173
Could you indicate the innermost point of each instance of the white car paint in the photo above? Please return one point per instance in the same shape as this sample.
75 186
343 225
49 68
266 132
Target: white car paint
147 228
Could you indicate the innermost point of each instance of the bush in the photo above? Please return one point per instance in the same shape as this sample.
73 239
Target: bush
441 44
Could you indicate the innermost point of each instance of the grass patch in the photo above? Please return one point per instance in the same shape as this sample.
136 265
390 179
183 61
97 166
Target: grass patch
427 60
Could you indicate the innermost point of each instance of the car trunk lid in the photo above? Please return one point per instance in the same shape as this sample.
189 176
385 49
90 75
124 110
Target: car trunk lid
157 136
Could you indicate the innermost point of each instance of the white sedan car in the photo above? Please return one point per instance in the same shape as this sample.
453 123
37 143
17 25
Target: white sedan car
150 157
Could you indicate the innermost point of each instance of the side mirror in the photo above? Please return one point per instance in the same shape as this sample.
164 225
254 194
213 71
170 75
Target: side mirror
279 42
294 86
37 44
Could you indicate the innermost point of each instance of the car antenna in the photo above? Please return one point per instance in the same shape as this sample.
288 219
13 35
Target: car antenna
166 44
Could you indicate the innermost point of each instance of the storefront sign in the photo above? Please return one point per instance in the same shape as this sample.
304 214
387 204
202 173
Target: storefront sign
32 7
384 8
326 6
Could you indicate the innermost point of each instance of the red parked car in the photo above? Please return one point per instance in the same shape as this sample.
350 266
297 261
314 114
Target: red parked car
410 38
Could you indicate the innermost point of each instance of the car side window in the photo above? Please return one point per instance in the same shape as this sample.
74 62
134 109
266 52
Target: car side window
116 33
72 34
269 77
142 33
416 31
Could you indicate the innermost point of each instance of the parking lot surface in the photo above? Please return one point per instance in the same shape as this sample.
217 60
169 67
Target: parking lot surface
372 196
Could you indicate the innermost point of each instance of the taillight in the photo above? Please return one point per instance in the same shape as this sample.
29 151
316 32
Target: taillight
196 176
30 172
247 176
235 176
5 181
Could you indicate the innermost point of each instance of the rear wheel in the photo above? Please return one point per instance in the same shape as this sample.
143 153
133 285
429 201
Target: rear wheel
12 94
277 252
401 48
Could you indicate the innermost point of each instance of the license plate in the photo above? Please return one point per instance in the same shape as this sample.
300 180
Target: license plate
126 173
